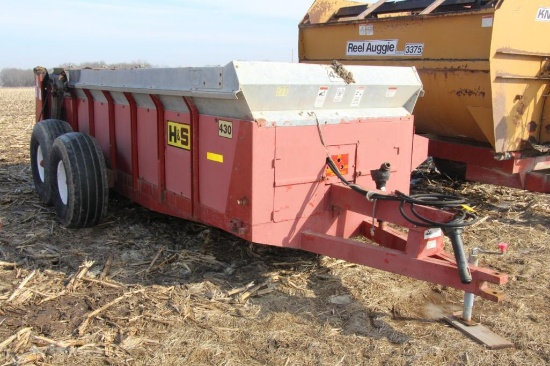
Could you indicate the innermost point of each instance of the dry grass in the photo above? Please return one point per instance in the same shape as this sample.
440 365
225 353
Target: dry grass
147 289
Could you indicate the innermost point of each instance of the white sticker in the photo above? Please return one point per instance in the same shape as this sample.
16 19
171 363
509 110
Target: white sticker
432 244
225 129
487 21
339 96
543 15
390 93
414 49
386 47
432 233
366 30
321 96
358 96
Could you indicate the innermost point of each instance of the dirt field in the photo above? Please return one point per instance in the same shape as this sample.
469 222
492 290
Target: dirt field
147 289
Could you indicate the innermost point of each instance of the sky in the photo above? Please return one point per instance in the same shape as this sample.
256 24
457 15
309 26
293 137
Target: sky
164 33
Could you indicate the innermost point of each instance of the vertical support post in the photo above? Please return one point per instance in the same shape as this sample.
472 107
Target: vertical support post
112 129
91 113
468 306
194 116
161 155
41 95
134 139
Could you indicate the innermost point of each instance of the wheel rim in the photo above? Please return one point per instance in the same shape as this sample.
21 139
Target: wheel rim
62 186
40 163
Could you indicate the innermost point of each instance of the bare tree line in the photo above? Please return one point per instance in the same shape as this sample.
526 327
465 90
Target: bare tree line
15 77
12 77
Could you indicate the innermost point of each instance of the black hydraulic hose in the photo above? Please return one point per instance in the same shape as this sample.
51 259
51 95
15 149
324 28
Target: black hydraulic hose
453 228
432 199
441 201
455 235
334 168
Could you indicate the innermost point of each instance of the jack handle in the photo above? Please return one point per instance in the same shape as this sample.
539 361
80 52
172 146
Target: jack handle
455 235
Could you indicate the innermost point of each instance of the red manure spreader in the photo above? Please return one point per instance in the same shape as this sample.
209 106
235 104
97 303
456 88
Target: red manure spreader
294 155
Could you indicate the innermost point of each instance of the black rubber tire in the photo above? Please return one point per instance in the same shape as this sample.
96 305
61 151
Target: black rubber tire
80 185
43 135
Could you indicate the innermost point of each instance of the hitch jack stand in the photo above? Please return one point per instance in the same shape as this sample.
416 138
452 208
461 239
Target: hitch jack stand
463 321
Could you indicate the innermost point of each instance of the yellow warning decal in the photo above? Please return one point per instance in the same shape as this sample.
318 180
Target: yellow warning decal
282 91
179 135
218 158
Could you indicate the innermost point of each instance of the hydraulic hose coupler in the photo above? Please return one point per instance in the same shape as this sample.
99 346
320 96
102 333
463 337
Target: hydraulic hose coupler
381 176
